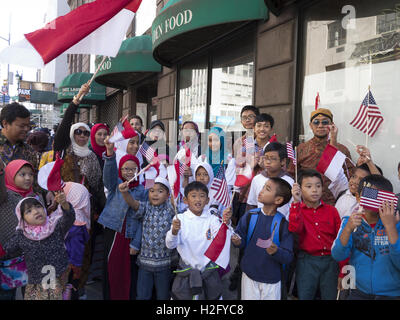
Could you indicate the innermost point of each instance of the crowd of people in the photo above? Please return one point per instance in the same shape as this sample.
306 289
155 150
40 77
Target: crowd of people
296 230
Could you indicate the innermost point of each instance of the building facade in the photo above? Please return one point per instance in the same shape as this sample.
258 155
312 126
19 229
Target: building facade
274 54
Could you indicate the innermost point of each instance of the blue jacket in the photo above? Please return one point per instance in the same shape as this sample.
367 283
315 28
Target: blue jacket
376 261
116 208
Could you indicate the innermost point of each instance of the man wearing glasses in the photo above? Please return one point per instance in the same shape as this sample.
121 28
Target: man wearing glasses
15 123
309 152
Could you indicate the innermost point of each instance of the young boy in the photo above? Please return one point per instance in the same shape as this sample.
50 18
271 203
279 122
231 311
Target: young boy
192 233
154 258
316 225
371 239
262 264
274 160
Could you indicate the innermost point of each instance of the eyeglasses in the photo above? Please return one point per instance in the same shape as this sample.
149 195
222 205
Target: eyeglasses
250 117
323 122
134 170
78 132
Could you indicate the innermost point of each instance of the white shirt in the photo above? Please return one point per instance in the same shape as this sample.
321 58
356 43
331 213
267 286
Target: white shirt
194 237
346 204
257 184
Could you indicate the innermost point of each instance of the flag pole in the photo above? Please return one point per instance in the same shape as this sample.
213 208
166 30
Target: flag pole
295 167
140 172
94 75
366 136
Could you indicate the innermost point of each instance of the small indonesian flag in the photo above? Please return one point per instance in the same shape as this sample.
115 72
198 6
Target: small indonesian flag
49 176
317 101
123 131
373 199
219 249
273 139
244 175
98 27
331 162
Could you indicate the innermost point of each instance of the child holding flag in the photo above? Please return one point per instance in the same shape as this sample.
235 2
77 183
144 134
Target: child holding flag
263 259
371 239
316 225
192 233
154 259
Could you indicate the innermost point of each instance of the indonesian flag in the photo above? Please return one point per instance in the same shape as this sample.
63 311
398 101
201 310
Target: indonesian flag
96 28
49 176
331 162
122 131
174 178
244 175
219 249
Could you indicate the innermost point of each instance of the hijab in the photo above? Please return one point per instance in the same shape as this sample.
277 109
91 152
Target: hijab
215 157
78 196
11 171
96 148
209 170
78 150
37 232
125 158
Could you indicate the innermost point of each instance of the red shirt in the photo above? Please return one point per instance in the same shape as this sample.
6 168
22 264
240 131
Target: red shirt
317 228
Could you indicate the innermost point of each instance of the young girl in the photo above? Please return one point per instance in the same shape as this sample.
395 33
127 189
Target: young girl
41 239
16 183
119 280
78 236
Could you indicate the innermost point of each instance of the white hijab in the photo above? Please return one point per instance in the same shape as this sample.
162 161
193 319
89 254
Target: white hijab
209 170
78 150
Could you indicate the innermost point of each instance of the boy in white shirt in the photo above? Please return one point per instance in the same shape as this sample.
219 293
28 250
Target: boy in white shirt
274 161
192 233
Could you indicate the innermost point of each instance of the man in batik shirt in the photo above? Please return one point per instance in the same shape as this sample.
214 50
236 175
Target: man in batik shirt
309 152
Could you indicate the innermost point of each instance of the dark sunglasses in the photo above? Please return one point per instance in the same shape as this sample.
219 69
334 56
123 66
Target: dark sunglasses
78 132
323 122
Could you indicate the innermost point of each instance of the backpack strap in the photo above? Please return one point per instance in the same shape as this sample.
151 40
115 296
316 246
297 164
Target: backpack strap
277 235
252 217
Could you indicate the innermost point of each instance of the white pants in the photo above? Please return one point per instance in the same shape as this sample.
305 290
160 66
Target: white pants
253 290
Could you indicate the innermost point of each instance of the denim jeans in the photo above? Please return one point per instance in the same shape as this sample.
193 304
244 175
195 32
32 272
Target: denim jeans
313 272
148 279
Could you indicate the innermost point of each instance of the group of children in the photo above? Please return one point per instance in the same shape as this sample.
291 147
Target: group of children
155 244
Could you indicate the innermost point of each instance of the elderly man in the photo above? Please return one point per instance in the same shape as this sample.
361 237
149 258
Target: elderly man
309 152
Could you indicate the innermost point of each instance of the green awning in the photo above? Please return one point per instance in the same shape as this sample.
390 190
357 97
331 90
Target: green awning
70 86
133 63
186 25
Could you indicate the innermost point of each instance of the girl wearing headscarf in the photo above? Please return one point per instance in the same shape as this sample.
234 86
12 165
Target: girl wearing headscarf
98 134
120 270
40 238
78 236
216 152
15 184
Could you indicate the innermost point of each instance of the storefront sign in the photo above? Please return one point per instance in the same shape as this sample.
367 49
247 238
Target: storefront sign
172 22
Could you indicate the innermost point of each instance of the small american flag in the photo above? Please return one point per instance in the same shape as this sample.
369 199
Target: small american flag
147 152
368 116
373 198
219 187
290 152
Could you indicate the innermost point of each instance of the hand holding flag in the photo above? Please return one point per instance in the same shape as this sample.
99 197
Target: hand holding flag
122 131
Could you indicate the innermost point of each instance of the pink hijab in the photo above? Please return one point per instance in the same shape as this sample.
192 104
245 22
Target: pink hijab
79 197
11 171
37 232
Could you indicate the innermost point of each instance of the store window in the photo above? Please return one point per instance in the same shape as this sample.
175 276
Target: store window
219 100
363 51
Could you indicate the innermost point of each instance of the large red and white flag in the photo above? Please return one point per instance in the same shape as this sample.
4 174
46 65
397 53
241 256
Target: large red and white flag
369 117
97 28
219 249
331 162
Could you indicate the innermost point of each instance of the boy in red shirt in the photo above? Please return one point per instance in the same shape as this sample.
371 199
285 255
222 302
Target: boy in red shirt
316 225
